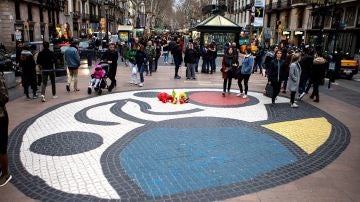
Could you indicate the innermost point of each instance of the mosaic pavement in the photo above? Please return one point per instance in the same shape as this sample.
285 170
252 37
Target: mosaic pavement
129 146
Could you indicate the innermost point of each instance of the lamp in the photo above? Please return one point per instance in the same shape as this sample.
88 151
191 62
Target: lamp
106 5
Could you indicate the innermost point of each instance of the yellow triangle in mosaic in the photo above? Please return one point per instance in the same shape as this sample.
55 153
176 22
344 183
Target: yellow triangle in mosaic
309 134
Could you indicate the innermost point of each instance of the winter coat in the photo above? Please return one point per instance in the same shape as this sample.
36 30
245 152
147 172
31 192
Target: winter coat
46 60
306 63
294 77
317 72
99 73
176 52
276 71
141 58
113 57
150 52
247 64
191 56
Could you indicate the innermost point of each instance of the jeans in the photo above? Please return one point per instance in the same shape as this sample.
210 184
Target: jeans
246 78
276 89
227 81
302 85
141 71
213 64
190 70
177 66
292 97
45 76
94 82
166 57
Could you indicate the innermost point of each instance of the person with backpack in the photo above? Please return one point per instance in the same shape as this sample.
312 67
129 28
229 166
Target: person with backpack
46 62
4 130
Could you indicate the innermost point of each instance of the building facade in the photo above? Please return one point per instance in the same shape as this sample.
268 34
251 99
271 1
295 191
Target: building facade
37 20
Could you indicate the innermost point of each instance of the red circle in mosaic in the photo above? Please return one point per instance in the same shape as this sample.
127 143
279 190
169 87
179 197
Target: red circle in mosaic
216 99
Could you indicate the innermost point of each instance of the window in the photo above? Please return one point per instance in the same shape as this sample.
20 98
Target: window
41 14
350 16
29 12
300 19
17 10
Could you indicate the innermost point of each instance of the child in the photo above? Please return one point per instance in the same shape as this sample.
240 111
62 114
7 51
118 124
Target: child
96 76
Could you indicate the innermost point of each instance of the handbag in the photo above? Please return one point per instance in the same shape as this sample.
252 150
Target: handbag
269 90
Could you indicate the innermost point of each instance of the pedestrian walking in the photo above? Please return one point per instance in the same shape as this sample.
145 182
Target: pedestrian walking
5 176
111 57
294 78
245 72
28 76
157 54
276 74
177 55
165 52
130 56
190 59
228 67
72 59
150 53
141 62
46 62
306 63
317 75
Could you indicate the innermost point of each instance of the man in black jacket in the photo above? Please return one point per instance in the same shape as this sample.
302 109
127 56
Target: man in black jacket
177 54
46 61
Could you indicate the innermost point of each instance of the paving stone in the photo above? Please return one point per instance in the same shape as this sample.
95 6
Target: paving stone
144 150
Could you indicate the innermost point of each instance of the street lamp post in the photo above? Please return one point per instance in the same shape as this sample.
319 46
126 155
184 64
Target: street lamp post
106 5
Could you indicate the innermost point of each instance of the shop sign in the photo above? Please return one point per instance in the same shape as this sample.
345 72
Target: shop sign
286 33
298 33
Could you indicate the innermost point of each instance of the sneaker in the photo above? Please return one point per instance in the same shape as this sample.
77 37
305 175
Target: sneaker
141 84
76 89
245 96
177 77
4 179
68 88
239 95
302 95
55 96
42 98
294 105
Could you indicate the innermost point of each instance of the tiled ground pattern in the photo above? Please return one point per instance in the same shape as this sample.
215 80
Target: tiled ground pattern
128 189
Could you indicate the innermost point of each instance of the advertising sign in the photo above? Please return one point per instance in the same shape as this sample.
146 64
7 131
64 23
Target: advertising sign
259 13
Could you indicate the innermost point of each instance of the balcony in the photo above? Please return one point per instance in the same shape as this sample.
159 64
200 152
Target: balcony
297 3
76 14
85 16
278 6
94 2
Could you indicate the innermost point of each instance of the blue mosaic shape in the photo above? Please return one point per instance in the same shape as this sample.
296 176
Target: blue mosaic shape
167 161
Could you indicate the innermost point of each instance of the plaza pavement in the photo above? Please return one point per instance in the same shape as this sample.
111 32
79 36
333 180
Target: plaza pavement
336 180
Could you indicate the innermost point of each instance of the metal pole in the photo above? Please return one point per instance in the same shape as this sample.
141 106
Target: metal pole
107 27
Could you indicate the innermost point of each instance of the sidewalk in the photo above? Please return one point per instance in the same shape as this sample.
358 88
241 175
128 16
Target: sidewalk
338 181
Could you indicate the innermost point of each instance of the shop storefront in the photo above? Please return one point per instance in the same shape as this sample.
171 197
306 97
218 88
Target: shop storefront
298 38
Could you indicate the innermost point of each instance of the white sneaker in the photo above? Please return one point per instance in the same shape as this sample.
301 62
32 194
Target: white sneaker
55 96
294 105
239 95
42 98
244 96
141 84
302 95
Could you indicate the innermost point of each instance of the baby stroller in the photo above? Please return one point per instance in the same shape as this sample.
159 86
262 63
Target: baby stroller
101 84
